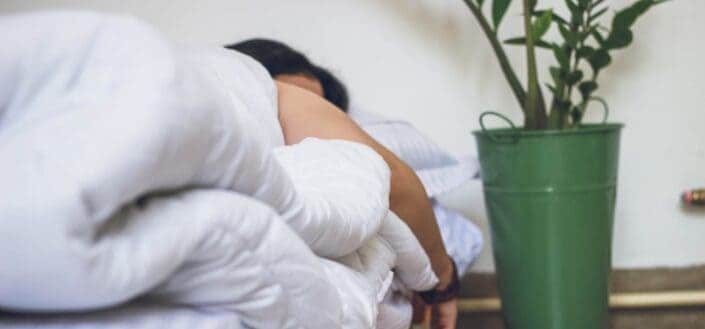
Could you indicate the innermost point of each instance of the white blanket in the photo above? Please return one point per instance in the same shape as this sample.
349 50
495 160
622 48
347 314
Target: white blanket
139 178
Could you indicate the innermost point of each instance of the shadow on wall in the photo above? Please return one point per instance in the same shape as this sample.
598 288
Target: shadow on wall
449 30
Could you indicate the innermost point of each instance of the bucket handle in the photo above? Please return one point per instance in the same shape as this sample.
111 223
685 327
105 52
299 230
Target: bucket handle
605 108
492 136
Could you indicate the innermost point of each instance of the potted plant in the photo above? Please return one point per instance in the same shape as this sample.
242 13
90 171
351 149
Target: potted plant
550 186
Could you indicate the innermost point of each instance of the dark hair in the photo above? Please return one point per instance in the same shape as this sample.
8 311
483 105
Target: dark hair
279 58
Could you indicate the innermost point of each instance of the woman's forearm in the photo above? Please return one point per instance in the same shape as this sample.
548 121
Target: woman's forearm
303 114
409 201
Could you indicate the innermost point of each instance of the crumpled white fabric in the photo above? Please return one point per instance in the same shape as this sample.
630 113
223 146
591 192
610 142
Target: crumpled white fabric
139 314
135 170
337 196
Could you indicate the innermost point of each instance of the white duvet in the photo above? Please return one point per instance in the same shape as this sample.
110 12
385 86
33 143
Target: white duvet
144 184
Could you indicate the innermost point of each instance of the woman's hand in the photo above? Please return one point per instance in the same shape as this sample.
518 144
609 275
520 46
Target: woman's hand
444 315
444 298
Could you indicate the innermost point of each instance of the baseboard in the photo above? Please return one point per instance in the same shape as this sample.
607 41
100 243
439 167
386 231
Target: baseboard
484 285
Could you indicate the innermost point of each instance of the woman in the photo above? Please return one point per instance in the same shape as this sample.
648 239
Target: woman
301 115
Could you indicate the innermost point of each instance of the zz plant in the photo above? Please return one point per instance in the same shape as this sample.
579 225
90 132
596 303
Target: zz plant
582 52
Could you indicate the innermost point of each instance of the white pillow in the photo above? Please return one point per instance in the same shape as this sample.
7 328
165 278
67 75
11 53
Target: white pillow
438 170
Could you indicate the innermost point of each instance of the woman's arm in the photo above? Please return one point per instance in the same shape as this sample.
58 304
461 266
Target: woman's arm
303 114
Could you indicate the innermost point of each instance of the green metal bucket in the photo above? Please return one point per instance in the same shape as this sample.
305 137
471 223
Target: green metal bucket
550 199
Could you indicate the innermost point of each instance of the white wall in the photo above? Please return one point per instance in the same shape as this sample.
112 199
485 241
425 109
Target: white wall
427 62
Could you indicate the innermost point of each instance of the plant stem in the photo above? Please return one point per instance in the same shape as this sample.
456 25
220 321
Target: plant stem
504 64
559 119
584 27
535 112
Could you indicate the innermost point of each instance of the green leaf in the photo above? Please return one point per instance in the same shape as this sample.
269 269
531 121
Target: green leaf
499 9
598 37
619 39
597 14
621 34
562 105
541 25
561 56
574 77
599 60
587 88
576 114
585 34
585 52
480 3
597 3
625 18
572 6
570 37
556 74
551 88
516 41
555 17
532 4
576 14
522 41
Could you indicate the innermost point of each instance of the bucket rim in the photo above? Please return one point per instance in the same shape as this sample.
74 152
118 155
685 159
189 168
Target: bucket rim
591 128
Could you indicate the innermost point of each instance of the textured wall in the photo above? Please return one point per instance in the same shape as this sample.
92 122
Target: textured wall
426 61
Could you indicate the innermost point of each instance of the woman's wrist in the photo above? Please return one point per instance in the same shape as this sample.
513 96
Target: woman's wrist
445 273
447 289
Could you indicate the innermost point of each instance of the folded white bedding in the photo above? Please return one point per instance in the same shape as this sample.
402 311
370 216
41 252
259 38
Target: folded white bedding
139 315
151 177
352 191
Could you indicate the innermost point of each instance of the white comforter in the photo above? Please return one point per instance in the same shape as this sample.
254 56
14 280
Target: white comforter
143 184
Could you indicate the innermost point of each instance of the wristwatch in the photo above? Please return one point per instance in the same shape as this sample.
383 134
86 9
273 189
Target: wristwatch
452 291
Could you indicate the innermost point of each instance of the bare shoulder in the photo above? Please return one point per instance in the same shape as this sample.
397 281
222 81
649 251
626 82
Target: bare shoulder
304 114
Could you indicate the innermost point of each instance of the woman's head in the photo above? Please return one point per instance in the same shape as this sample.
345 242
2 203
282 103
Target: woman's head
288 65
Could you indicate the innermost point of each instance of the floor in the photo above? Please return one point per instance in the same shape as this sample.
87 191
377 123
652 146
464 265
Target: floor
678 318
